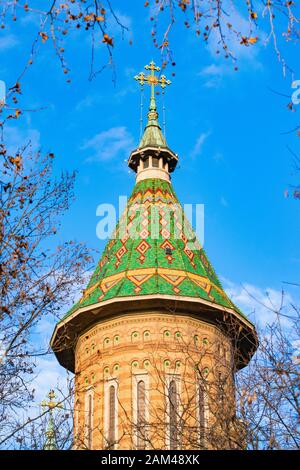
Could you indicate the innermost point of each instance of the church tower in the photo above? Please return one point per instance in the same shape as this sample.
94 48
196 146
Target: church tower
154 342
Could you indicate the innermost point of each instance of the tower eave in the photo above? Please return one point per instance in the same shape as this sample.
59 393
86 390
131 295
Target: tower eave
66 333
142 152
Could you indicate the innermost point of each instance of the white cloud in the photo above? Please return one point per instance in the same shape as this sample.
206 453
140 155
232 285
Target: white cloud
197 149
48 372
240 23
107 145
94 100
261 304
122 19
32 18
125 91
247 56
16 138
8 42
130 72
214 74
218 157
88 102
213 70
50 375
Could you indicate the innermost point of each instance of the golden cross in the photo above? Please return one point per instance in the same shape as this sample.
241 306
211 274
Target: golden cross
51 403
152 79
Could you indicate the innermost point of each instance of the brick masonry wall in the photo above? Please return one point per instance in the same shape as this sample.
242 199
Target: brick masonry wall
158 347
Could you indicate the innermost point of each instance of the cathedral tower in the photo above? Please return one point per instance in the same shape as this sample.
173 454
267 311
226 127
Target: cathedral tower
154 342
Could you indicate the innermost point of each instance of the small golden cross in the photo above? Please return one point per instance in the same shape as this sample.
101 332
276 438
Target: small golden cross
152 79
51 403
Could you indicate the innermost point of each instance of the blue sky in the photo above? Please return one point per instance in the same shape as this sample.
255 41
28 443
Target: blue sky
226 126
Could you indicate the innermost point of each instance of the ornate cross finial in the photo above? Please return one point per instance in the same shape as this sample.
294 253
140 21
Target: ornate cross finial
51 403
152 79
50 442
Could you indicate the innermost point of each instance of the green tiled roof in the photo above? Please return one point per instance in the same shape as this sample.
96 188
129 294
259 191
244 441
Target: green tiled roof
152 137
136 263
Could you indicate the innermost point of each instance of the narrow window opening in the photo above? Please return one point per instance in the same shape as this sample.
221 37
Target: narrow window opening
201 416
141 415
155 162
89 421
173 415
112 418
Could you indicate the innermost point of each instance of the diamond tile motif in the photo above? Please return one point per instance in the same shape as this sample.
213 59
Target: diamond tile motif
120 253
142 249
167 245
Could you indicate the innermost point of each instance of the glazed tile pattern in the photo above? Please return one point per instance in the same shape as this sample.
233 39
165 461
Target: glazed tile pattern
151 253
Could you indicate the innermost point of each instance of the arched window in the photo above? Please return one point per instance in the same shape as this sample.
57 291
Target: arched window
112 417
141 415
135 336
167 363
155 163
201 411
167 335
89 420
173 415
146 335
76 422
116 340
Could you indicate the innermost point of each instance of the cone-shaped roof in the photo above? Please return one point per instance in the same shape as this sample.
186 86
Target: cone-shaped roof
152 136
148 255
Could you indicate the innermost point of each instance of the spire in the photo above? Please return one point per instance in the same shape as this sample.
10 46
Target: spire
50 443
153 143
153 136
